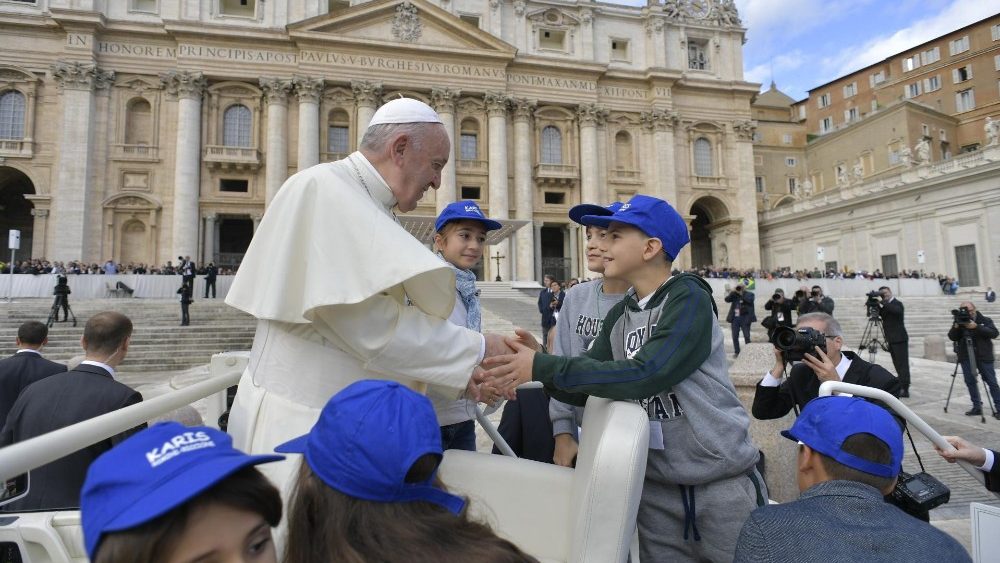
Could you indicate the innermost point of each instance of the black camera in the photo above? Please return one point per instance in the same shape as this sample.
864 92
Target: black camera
874 298
814 293
962 316
795 343
799 294
918 493
777 297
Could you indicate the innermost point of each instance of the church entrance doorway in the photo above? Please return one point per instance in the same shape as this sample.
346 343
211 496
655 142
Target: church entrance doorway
234 239
554 251
15 210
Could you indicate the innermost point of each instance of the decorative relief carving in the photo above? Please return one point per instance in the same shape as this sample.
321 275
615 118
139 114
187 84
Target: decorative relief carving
184 84
592 114
275 89
81 76
523 108
496 103
307 88
443 99
406 23
586 16
654 25
367 93
135 180
659 120
719 12
744 129
519 7
495 5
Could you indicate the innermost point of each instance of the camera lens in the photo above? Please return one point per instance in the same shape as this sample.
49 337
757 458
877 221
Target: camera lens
784 338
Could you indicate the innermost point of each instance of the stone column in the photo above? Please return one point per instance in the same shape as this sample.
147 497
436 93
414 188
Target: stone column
39 233
661 125
537 229
603 187
742 175
256 217
496 18
75 191
589 115
188 87
276 94
443 101
587 33
496 109
308 90
575 236
524 190
209 239
368 96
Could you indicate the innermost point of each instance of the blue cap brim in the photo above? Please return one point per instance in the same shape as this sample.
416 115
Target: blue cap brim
293 446
488 224
577 212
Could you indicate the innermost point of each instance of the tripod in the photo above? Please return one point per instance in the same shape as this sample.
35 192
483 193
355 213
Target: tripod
60 301
971 354
870 337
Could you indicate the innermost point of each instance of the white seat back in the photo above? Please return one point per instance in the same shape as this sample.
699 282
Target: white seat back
45 537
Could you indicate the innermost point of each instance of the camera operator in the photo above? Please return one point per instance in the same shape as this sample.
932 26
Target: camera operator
890 310
61 292
741 314
816 302
774 397
972 323
781 312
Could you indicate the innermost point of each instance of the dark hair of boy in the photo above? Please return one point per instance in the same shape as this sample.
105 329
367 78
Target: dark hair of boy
106 332
153 541
33 333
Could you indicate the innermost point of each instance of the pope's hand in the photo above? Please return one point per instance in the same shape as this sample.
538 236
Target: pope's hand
508 371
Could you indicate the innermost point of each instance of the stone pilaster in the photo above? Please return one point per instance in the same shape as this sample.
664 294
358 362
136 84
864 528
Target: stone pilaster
276 94
188 87
587 33
659 125
209 255
39 232
367 96
443 101
748 238
496 110
309 91
589 115
524 189
75 193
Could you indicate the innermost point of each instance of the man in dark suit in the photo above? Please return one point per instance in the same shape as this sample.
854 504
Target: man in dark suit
774 397
741 314
816 302
25 367
850 455
60 400
986 460
781 312
982 331
210 274
891 311
545 307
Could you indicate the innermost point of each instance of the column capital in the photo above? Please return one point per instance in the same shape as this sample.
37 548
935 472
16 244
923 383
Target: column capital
659 120
654 25
496 104
522 108
211 217
519 7
367 93
443 99
81 76
591 115
744 129
40 213
184 84
275 89
308 89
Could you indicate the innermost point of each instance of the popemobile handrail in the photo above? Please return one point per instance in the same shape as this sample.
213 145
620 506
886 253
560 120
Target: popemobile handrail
831 387
24 456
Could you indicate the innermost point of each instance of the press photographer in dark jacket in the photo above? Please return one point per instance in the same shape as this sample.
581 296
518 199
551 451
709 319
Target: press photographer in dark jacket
983 331
890 310
816 302
781 312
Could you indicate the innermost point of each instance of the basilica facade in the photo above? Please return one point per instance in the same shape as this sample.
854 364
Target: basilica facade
143 130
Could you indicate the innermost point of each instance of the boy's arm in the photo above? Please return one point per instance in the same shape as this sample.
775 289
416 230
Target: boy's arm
678 345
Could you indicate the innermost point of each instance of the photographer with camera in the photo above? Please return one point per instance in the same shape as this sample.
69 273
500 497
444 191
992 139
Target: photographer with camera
741 314
61 291
890 310
781 312
816 302
817 341
972 325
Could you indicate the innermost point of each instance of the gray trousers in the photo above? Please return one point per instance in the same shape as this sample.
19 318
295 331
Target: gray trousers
717 510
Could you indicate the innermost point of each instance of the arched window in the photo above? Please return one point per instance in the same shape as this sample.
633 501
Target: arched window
138 123
623 151
12 115
236 126
469 140
338 129
551 145
703 165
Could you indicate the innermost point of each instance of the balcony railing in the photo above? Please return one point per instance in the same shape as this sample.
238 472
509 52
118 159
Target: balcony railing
473 166
134 152
709 181
17 148
559 172
623 174
224 157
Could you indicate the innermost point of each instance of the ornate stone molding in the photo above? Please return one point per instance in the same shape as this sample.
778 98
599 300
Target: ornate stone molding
496 103
184 84
210 217
523 108
722 13
592 114
367 93
654 25
40 213
406 23
443 99
586 16
275 89
659 120
744 129
81 76
308 89
495 5
519 7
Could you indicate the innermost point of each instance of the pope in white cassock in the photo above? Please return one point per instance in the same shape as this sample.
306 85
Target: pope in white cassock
342 292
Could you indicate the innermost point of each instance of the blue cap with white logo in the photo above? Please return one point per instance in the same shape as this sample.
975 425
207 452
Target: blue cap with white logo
366 440
464 210
577 212
153 472
653 216
826 422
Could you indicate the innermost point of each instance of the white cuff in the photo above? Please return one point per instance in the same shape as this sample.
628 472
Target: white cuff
482 349
770 381
988 466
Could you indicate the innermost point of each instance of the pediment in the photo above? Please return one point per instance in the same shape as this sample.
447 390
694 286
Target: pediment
402 23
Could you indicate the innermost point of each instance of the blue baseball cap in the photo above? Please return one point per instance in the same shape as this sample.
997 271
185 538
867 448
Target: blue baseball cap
826 422
652 216
367 439
464 210
577 212
153 472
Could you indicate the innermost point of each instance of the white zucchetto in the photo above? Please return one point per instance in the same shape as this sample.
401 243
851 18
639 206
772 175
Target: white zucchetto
404 110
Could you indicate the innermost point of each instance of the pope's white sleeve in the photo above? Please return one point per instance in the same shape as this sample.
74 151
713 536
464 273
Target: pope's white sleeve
391 338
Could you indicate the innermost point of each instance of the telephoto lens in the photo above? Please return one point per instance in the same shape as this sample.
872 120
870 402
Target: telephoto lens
795 343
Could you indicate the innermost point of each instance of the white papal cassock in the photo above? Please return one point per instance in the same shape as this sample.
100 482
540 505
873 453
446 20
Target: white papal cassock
328 275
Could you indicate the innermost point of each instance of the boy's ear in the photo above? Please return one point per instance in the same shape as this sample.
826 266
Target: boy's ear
653 248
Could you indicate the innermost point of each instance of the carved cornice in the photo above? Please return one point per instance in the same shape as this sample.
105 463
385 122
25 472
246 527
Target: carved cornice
443 99
592 114
496 104
367 93
81 76
308 89
275 89
184 84
523 108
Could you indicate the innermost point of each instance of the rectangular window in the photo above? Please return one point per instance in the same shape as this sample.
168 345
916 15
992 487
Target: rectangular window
850 89
933 83
233 185
792 184
759 181
889 266
826 125
925 130
910 63
961 74
930 56
338 140
965 262
552 39
824 100
874 105
786 139
469 144
996 62
555 198
877 78
619 50
958 45
802 111
471 192
965 100
851 115
697 54
470 19
239 8
911 90
790 161
830 266
147 6
995 32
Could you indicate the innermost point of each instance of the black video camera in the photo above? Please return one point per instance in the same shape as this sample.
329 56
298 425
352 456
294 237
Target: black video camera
795 343
962 316
874 298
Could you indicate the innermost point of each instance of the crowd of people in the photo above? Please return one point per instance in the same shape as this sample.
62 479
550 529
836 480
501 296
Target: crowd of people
39 266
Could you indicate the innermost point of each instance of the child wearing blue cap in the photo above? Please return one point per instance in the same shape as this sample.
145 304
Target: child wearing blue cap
176 493
460 240
662 347
367 488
